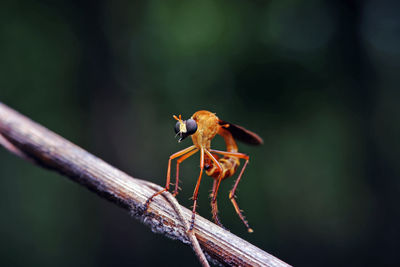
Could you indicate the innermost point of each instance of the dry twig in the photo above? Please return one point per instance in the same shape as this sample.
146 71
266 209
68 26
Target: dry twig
190 233
30 140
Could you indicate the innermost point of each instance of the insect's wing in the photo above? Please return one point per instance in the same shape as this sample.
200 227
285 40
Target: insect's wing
242 134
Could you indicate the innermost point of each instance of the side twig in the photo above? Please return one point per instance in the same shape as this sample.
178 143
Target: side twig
190 234
32 141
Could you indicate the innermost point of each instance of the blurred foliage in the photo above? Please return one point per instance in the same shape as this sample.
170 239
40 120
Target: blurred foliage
318 80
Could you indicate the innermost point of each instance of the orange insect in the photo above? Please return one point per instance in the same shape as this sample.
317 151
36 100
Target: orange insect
203 126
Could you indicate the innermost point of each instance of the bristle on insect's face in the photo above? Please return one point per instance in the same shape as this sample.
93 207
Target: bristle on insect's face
185 128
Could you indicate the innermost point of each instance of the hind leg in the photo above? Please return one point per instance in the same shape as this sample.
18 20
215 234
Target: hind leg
232 192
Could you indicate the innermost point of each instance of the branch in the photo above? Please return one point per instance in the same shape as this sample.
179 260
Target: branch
31 141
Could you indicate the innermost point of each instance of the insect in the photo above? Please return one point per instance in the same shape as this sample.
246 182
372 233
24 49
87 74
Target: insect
202 127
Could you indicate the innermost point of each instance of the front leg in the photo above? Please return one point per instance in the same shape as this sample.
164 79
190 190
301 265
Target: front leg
196 190
173 156
178 162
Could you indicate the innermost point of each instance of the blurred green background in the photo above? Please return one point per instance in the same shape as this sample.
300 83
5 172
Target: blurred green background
318 80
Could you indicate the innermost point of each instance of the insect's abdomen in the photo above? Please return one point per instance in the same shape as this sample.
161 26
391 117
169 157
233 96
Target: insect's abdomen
228 164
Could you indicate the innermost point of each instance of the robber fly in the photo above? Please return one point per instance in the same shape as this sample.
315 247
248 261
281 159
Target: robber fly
202 127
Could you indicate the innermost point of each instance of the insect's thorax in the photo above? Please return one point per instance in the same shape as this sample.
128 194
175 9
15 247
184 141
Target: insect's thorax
207 128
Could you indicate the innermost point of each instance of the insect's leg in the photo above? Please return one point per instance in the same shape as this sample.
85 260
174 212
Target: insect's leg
179 161
217 182
214 207
233 154
175 155
233 200
196 190
213 188
232 192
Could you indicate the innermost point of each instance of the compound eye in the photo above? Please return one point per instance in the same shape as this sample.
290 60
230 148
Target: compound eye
177 127
191 126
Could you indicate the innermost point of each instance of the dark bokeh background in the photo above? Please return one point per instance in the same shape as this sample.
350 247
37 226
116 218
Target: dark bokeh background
318 80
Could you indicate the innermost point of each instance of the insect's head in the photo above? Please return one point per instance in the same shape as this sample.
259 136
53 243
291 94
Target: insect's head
184 128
